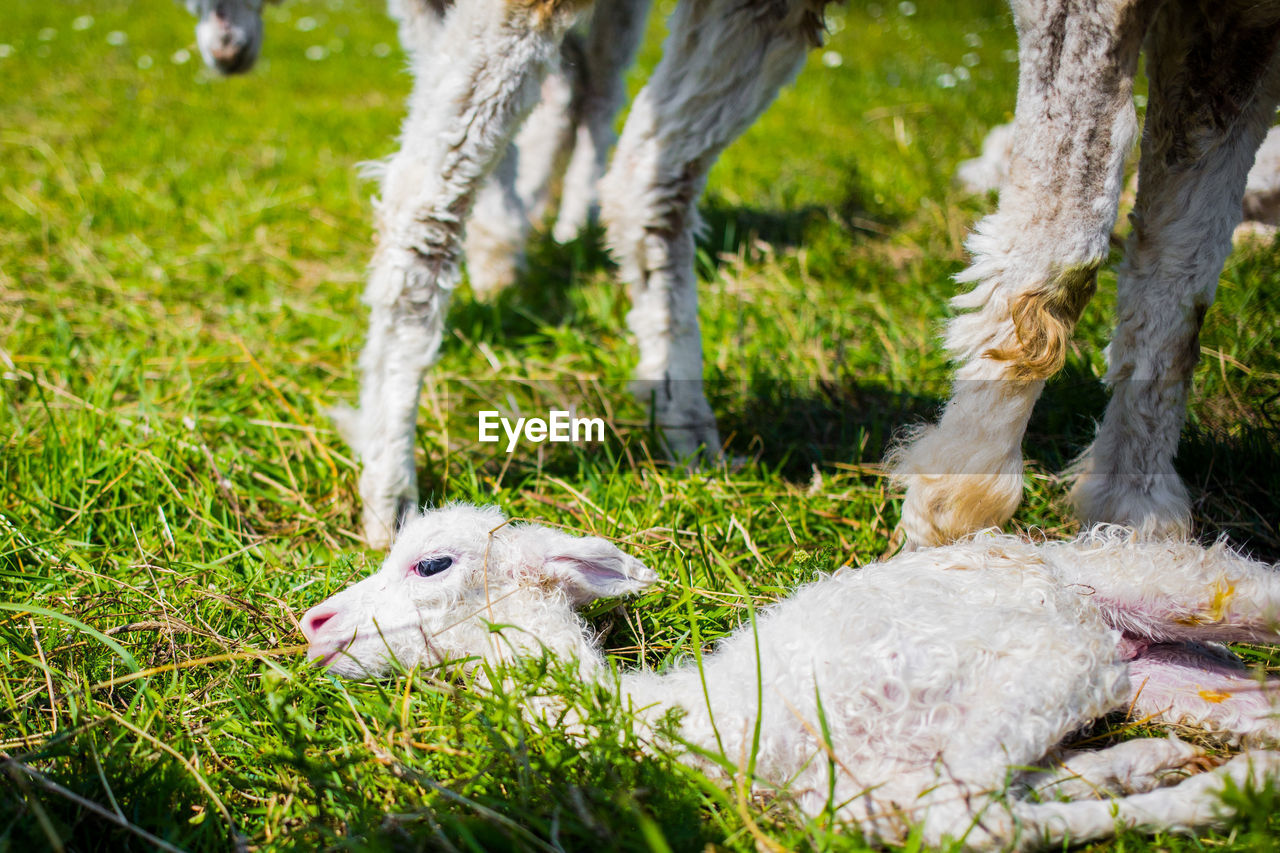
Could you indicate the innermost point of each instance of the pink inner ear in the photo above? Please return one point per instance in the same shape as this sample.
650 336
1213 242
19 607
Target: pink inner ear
595 574
585 580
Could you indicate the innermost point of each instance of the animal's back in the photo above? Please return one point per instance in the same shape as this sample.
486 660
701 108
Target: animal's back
950 664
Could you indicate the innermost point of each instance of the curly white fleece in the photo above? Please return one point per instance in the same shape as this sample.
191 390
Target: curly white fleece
940 676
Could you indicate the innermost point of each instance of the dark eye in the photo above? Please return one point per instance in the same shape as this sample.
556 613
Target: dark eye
434 566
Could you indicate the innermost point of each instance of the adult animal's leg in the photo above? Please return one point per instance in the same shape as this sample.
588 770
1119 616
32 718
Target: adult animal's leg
566 139
1034 261
471 91
499 228
723 64
617 27
1215 82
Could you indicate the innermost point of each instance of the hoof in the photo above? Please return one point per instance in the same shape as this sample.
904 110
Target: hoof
693 447
952 490
941 508
1155 505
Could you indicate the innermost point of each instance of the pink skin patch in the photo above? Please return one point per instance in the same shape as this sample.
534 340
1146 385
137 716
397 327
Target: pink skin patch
1202 686
1131 647
323 648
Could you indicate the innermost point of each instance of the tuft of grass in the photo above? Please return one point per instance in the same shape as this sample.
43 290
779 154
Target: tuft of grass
180 266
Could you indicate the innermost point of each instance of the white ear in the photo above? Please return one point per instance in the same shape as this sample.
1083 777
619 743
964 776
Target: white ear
585 567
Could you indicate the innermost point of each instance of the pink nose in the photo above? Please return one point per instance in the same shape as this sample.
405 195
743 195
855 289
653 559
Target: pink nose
314 620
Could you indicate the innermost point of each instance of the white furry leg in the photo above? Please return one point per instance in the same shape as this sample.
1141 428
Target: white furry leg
471 90
1198 145
1262 188
617 27
1190 805
1132 767
724 62
545 138
988 170
498 230
1171 591
1034 265
571 124
1175 602
419 24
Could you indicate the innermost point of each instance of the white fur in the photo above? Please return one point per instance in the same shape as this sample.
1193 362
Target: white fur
480 67
1033 258
566 139
943 674
1262 189
481 75
617 27
987 171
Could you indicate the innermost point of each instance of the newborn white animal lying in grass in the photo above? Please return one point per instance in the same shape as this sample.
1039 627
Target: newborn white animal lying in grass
945 680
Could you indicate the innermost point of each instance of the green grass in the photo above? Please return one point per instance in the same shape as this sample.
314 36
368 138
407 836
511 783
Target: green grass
180 267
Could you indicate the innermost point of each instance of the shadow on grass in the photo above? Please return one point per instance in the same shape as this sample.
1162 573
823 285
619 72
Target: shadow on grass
538 296
1234 476
155 795
1235 486
510 783
728 228
792 426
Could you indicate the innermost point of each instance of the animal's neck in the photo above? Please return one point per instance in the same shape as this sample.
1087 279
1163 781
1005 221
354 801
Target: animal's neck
567 637
538 624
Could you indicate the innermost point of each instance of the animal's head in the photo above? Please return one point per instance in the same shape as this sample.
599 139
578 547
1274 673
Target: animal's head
228 33
452 574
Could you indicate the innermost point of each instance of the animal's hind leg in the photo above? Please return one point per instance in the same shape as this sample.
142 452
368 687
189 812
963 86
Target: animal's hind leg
1171 591
1175 601
498 230
1132 767
545 139
568 135
1214 88
516 198
723 64
471 90
1034 264
1190 805
617 27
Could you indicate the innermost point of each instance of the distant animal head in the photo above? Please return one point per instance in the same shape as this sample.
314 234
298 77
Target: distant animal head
455 573
228 33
